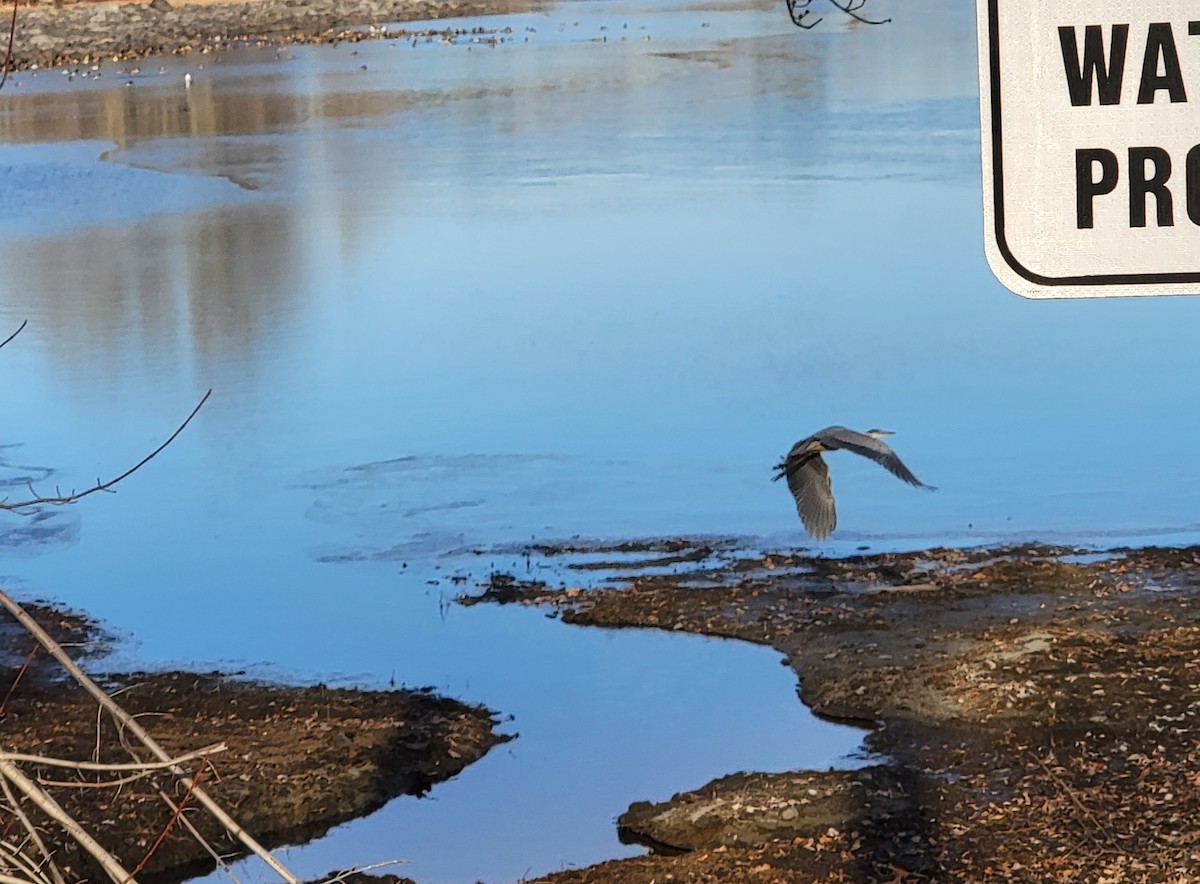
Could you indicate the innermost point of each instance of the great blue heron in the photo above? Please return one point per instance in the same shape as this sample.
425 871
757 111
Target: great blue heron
808 476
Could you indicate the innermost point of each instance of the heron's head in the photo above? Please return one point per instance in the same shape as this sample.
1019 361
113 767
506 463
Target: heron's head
879 434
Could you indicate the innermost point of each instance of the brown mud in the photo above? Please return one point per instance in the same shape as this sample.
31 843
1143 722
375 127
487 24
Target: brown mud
299 761
74 32
1034 712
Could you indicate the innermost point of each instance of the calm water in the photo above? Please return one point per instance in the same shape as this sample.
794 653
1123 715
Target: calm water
578 285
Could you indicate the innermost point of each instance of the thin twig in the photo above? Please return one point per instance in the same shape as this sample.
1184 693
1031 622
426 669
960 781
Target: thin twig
56 651
26 322
59 499
358 870
145 769
52 809
15 807
93 765
99 784
849 9
12 32
799 12
162 836
1070 793
14 859
17 679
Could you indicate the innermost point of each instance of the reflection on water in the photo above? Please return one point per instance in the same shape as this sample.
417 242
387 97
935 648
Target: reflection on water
32 531
176 280
474 296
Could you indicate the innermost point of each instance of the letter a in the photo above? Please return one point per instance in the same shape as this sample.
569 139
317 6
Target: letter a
1160 44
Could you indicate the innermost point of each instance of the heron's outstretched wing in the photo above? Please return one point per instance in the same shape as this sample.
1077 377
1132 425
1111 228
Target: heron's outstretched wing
808 480
870 447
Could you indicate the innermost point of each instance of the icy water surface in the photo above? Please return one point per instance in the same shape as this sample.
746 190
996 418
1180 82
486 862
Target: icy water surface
452 299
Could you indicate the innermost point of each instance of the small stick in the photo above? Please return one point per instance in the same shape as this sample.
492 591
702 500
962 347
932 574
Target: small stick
52 809
46 760
15 806
130 723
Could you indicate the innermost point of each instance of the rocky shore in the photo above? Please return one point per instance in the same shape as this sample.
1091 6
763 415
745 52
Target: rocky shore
52 32
1034 712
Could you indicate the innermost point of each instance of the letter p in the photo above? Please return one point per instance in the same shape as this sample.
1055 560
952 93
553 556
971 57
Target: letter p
1086 187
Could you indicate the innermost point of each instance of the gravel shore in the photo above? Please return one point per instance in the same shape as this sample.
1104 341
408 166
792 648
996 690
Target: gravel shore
50 33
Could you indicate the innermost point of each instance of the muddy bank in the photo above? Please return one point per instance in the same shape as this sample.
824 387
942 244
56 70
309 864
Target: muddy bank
1036 709
299 761
52 32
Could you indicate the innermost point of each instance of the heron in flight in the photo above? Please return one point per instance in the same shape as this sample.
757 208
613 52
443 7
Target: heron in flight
808 476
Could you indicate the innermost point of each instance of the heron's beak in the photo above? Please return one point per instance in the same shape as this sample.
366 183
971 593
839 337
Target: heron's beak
878 433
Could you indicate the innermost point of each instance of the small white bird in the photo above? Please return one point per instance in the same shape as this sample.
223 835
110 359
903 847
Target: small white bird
187 81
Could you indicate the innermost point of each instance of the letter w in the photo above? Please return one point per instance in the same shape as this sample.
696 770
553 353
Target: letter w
1107 75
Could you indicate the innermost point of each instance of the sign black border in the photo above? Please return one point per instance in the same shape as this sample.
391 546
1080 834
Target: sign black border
998 194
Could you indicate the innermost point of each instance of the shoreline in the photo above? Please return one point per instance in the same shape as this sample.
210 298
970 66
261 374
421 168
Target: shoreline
1029 710
299 760
86 33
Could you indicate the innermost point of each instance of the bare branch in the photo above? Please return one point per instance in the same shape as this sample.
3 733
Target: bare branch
850 10
60 499
14 334
799 11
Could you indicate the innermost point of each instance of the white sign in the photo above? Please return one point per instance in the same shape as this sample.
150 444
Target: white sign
1090 115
